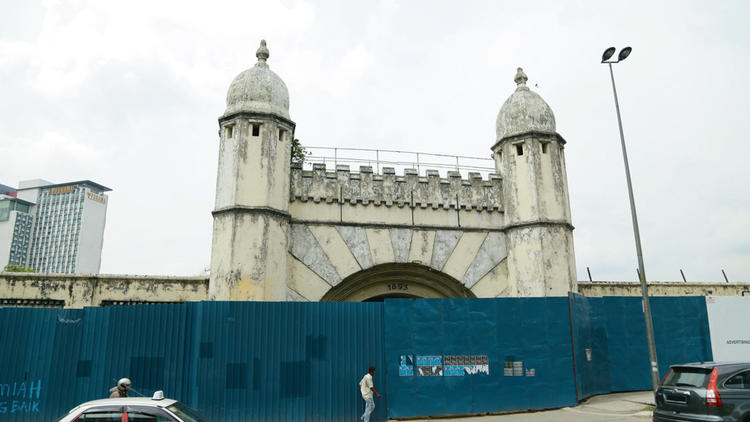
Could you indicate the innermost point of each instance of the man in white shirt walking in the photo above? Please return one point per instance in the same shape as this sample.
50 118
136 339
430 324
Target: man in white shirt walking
366 387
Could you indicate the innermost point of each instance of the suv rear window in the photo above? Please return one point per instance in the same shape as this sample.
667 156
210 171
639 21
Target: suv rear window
688 377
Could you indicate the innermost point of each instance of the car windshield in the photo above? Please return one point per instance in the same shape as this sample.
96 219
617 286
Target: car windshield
185 413
688 377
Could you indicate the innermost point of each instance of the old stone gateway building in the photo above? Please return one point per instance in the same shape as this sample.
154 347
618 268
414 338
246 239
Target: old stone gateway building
282 233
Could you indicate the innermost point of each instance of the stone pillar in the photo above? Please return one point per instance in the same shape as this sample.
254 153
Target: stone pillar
541 260
529 155
251 216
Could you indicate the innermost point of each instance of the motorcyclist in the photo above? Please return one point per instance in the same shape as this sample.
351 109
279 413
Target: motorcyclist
121 389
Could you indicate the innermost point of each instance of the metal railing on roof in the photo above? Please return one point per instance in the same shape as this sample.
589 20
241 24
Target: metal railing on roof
379 158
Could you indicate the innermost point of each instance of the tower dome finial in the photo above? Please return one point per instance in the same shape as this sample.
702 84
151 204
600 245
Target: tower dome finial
262 53
258 89
520 78
524 111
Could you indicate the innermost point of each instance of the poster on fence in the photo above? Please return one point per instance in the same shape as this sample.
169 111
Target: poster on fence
430 366
730 335
459 366
406 366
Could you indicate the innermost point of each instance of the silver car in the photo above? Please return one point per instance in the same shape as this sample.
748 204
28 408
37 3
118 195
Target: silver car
704 391
133 409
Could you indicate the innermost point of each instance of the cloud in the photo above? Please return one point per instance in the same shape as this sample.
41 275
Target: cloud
50 150
353 66
76 38
13 53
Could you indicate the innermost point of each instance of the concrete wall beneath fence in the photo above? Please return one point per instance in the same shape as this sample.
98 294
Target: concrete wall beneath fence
662 288
80 290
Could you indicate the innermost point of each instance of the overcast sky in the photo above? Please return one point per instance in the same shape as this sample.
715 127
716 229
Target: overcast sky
128 93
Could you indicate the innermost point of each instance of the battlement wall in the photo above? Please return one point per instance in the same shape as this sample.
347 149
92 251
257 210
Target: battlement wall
410 189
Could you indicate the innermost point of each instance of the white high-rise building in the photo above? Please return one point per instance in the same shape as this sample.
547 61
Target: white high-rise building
53 228
15 228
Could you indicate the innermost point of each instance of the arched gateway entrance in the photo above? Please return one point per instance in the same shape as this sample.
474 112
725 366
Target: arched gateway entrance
396 281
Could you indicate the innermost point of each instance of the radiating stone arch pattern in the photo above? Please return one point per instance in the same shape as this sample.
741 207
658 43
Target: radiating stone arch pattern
322 256
396 280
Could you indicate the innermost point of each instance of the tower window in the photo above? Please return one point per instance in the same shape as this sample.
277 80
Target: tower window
256 129
544 147
281 134
229 131
519 149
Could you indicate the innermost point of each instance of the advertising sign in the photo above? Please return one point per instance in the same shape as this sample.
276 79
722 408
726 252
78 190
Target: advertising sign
727 321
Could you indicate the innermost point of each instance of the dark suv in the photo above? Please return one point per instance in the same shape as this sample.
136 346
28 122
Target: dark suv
704 391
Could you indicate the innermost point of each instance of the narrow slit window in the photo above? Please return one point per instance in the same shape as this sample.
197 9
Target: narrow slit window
256 129
519 149
281 134
544 147
230 130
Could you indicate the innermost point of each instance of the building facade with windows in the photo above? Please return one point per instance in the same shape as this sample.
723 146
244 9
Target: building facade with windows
54 228
15 230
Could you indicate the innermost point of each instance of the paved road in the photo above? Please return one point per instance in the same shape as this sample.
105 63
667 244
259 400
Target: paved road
618 407
573 415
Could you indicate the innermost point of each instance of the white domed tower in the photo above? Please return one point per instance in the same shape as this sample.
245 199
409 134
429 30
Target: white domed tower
529 157
251 215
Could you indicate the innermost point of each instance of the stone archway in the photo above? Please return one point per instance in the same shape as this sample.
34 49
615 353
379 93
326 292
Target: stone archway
395 280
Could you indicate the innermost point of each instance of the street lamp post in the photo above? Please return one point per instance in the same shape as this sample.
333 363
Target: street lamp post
624 53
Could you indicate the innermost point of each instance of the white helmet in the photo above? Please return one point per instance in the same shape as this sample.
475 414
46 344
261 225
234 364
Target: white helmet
123 384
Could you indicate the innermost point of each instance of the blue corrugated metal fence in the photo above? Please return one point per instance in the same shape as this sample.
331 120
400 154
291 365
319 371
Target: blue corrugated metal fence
233 361
609 337
525 344
301 362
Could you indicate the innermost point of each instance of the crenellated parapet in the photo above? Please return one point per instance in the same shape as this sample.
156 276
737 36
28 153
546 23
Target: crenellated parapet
410 189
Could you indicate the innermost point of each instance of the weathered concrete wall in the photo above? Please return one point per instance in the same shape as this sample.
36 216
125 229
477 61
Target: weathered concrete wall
79 290
661 288
251 218
347 222
248 256
387 189
541 259
323 255
410 201
535 164
254 170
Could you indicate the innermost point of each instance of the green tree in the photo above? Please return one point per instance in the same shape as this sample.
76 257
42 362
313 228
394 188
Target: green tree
12 268
298 152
